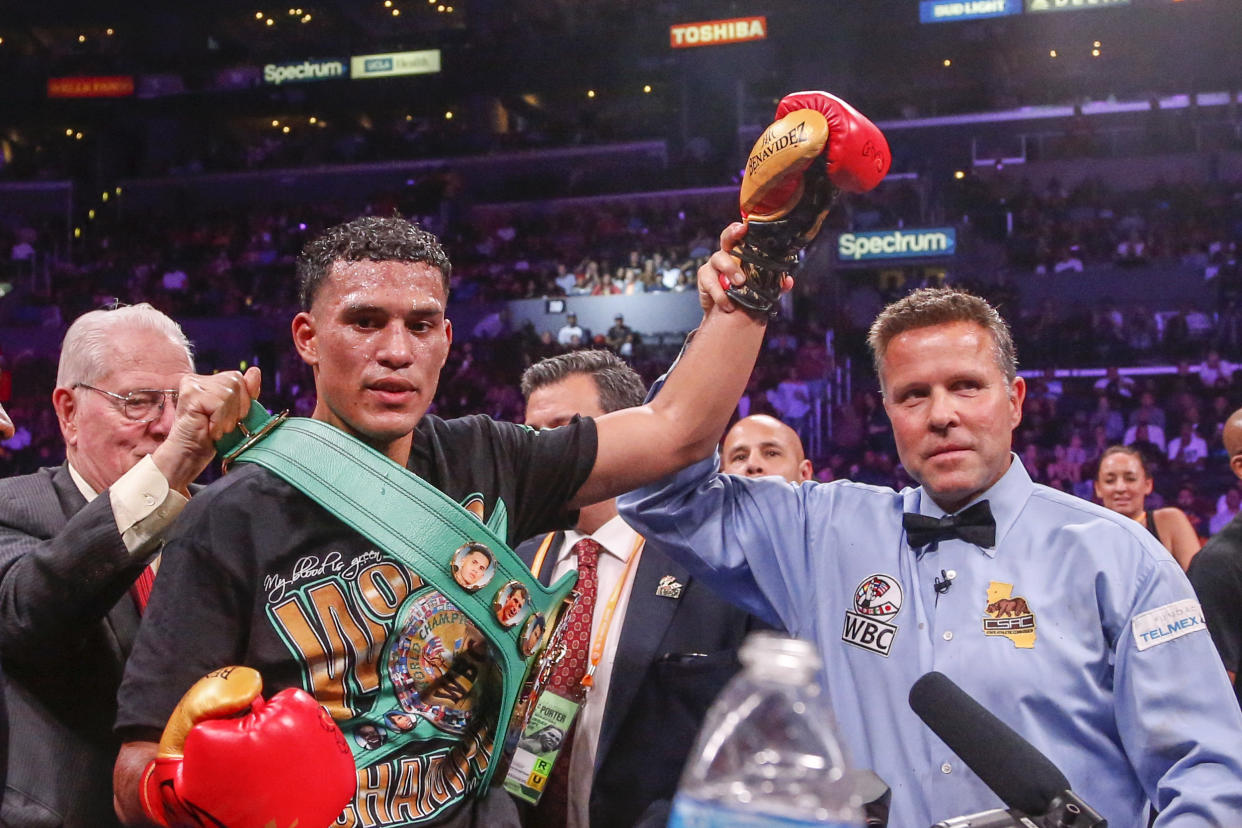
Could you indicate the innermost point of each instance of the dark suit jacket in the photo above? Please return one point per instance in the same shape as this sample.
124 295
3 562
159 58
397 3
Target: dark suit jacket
67 624
673 658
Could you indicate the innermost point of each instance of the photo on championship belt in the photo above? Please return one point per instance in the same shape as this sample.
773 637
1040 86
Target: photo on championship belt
817 147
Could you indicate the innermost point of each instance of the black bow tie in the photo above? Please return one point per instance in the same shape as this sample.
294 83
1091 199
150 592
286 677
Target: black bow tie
974 525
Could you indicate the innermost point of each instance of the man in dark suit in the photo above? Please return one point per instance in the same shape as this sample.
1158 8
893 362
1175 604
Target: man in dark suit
75 544
671 644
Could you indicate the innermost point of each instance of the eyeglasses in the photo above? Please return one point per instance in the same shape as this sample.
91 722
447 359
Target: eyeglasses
143 405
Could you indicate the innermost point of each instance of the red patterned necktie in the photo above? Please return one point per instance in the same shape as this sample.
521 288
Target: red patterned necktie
566 680
141 588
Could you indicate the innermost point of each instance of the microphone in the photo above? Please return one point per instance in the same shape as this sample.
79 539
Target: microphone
1024 779
941 585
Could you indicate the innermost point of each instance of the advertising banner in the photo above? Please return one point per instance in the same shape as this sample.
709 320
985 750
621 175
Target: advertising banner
91 86
717 32
946 11
426 62
1071 5
906 243
306 70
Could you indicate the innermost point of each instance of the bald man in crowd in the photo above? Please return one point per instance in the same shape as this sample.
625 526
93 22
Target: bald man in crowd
761 445
1216 571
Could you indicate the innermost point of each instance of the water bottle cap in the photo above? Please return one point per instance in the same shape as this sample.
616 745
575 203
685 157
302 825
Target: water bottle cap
779 651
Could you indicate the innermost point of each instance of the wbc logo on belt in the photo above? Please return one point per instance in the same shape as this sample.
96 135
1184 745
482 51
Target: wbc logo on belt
876 600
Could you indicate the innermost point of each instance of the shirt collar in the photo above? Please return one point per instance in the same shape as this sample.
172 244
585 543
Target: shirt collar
615 536
1007 498
83 487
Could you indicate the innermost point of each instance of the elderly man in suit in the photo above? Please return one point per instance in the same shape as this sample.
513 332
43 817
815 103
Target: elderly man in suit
668 650
77 543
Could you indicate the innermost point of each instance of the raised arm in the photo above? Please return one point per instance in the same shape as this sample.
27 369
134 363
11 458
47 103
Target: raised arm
684 422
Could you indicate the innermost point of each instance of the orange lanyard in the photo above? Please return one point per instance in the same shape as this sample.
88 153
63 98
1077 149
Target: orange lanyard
601 634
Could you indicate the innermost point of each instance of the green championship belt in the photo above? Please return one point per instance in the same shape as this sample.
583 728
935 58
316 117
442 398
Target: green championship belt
483 611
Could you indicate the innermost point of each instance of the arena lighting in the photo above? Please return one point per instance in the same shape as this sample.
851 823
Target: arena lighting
275 123
1095 53
647 88
285 129
77 136
396 12
118 191
109 31
306 18
590 93
81 38
270 22
959 175
947 63
90 214
1052 53
448 116
388 4
77 232
311 120
258 15
104 196
69 133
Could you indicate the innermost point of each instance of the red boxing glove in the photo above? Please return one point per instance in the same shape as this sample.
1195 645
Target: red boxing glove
857 153
817 147
283 763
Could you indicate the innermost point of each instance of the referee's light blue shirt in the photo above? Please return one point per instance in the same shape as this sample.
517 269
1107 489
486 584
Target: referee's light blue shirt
1078 630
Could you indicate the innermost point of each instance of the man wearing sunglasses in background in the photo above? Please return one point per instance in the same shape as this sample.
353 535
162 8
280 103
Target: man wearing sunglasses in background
77 541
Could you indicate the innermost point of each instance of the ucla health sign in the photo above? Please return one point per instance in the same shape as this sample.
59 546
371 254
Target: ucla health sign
944 11
425 62
914 243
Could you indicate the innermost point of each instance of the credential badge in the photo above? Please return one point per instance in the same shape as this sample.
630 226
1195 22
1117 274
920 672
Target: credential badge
876 600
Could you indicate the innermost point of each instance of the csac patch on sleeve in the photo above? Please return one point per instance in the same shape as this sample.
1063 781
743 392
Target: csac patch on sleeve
1166 623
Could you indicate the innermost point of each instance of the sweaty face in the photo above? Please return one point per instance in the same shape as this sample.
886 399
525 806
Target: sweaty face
953 415
376 337
556 404
101 443
759 446
1122 485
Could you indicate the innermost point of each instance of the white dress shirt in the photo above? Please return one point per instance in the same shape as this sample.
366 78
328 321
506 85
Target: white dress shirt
618 540
142 502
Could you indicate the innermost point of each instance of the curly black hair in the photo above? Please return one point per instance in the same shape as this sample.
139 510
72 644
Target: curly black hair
392 239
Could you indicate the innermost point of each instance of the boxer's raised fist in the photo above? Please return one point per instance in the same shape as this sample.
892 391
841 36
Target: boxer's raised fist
283 762
818 146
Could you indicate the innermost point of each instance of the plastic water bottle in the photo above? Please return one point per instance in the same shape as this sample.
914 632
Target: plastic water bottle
768 753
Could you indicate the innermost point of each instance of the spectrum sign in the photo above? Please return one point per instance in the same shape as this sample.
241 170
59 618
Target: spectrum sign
917 243
388 65
1071 5
717 32
306 70
944 11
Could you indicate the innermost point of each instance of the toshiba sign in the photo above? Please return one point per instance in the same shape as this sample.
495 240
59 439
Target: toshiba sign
715 32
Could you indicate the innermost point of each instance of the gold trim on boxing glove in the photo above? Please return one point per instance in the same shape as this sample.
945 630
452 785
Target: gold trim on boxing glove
772 183
218 694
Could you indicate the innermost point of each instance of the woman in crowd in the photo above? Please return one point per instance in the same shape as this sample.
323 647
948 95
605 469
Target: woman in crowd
1122 484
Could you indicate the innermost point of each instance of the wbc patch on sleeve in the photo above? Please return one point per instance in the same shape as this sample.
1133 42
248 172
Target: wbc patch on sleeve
1163 624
